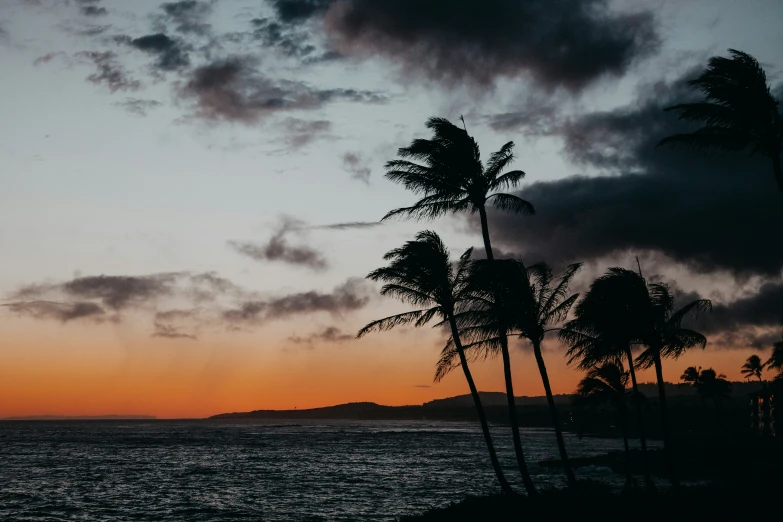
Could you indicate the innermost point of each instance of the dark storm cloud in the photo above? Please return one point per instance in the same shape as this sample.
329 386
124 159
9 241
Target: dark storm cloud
763 309
188 16
330 334
298 11
707 212
167 331
138 106
349 296
171 54
356 165
557 43
63 312
234 90
279 249
109 71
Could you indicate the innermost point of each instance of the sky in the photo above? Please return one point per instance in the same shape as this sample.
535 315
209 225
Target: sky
192 190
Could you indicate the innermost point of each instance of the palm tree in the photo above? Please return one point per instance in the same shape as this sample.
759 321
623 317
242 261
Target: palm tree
753 367
489 313
420 273
447 171
775 361
738 112
605 330
545 305
605 386
714 386
664 336
691 375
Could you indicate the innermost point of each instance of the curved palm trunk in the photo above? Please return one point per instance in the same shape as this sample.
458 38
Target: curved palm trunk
485 232
512 414
642 436
776 167
555 419
668 451
504 485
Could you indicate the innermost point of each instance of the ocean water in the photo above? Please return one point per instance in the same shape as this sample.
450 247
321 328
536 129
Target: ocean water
259 470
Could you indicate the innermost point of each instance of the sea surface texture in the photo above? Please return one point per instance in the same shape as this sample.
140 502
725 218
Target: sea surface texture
259 470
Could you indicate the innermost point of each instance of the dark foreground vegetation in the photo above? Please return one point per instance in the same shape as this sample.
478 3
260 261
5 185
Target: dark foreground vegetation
591 499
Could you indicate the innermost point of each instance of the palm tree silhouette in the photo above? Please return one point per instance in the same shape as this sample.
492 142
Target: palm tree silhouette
447 171
489 313
738 111
753 367
691 375
545 305
664 336
605 329
714 386
605 386
420 273
775 361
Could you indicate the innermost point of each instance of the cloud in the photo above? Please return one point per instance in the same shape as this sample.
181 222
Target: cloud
278 249
422 386
710 213
172 54
109 71
138 106
63 312
90 8
763 309
188 16
349 225
167 331
557 43
298 11
302 132
234 90
280 36
330 334
356 165
349 296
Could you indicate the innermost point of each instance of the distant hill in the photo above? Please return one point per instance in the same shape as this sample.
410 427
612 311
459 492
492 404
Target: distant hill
461 407
80 417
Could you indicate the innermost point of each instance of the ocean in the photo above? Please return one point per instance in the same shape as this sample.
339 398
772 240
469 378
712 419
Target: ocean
204 470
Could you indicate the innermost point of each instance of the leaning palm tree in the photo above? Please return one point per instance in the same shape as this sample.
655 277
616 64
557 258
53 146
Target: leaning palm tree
775 361
447 171
664 337
753 367
545 305
606 330
489 312
738 111
420 273
605 386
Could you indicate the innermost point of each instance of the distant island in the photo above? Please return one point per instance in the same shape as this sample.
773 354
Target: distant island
532 411
79 417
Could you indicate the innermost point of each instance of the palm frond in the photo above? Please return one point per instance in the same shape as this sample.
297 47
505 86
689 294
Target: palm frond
510 203
387 323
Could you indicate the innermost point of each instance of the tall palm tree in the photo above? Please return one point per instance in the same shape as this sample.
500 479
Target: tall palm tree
420 273
738 111
447 171
489 313
664 337
605 385
753 367
606 330
545 305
